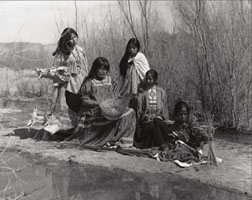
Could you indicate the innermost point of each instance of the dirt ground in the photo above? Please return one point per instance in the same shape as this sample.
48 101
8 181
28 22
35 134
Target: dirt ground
234 173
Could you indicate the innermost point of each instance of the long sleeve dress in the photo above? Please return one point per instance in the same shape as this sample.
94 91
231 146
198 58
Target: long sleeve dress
152 111
76 67
67 73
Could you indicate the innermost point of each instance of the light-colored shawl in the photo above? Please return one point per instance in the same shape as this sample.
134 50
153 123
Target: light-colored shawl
141 64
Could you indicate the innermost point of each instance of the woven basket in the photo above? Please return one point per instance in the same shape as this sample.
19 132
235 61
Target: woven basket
113 109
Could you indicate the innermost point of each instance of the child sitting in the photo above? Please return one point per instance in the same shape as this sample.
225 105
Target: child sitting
184 131
185 141
152 109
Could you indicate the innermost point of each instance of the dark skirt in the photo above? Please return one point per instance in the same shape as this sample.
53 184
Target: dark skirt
151 134
73 101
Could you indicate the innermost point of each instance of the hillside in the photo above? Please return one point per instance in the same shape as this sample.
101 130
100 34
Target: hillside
25 55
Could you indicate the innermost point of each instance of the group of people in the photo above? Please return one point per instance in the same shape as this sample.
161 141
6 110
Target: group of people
143 120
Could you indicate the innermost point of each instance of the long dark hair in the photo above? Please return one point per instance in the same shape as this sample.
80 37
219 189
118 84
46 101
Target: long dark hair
63 43
153 73
124 61
143 84
179 105
98 63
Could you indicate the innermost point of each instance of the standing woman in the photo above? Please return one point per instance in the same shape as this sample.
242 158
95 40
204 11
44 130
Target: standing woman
68 54
133 67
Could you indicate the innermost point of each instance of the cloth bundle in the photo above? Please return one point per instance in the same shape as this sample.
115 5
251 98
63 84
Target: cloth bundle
58 75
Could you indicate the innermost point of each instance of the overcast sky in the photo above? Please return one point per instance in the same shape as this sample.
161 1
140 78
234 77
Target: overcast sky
35 21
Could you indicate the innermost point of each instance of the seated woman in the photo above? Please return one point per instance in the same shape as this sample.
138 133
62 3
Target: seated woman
94 128
184 131
185 141
152 111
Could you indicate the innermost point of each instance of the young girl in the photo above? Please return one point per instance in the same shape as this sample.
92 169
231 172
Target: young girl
152 108
184 131
69 69
185 141
133 67
93 128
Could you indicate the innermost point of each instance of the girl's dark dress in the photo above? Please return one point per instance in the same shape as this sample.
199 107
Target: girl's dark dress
189 134
183 143
152 112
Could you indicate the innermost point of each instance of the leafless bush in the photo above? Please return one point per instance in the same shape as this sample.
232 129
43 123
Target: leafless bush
204 60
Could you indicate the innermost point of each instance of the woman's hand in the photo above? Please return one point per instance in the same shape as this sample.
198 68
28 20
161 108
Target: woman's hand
90 103
73 74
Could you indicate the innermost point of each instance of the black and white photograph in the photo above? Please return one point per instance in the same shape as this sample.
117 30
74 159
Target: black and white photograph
126 100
